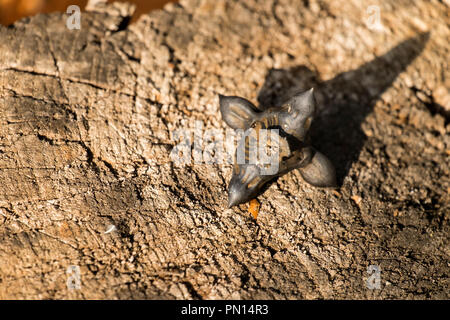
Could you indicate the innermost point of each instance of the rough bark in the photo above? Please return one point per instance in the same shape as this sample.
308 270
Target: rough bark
85 123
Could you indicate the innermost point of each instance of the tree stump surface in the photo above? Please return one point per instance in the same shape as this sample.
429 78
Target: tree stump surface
86 124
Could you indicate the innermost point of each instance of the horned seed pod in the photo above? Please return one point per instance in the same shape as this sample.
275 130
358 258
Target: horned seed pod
291 123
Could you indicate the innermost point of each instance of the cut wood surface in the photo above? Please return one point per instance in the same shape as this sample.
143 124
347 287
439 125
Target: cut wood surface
86 123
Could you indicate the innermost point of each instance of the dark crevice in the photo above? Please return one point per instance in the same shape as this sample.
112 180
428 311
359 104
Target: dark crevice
194 293
78 81
130 57
123 24
431 105
90 155
46 139
124 231
172 57
64 106
111 168
271 250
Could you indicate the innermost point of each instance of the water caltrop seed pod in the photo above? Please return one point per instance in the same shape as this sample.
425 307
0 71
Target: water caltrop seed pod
284 131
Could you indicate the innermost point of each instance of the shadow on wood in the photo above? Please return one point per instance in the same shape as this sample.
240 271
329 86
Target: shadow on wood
344 101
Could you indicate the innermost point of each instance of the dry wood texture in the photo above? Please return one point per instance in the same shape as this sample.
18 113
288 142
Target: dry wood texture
85 123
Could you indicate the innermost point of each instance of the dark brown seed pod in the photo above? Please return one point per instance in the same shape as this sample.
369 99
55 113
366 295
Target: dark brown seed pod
290 125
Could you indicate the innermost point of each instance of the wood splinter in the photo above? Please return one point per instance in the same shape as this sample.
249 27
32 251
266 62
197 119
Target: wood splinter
254 207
